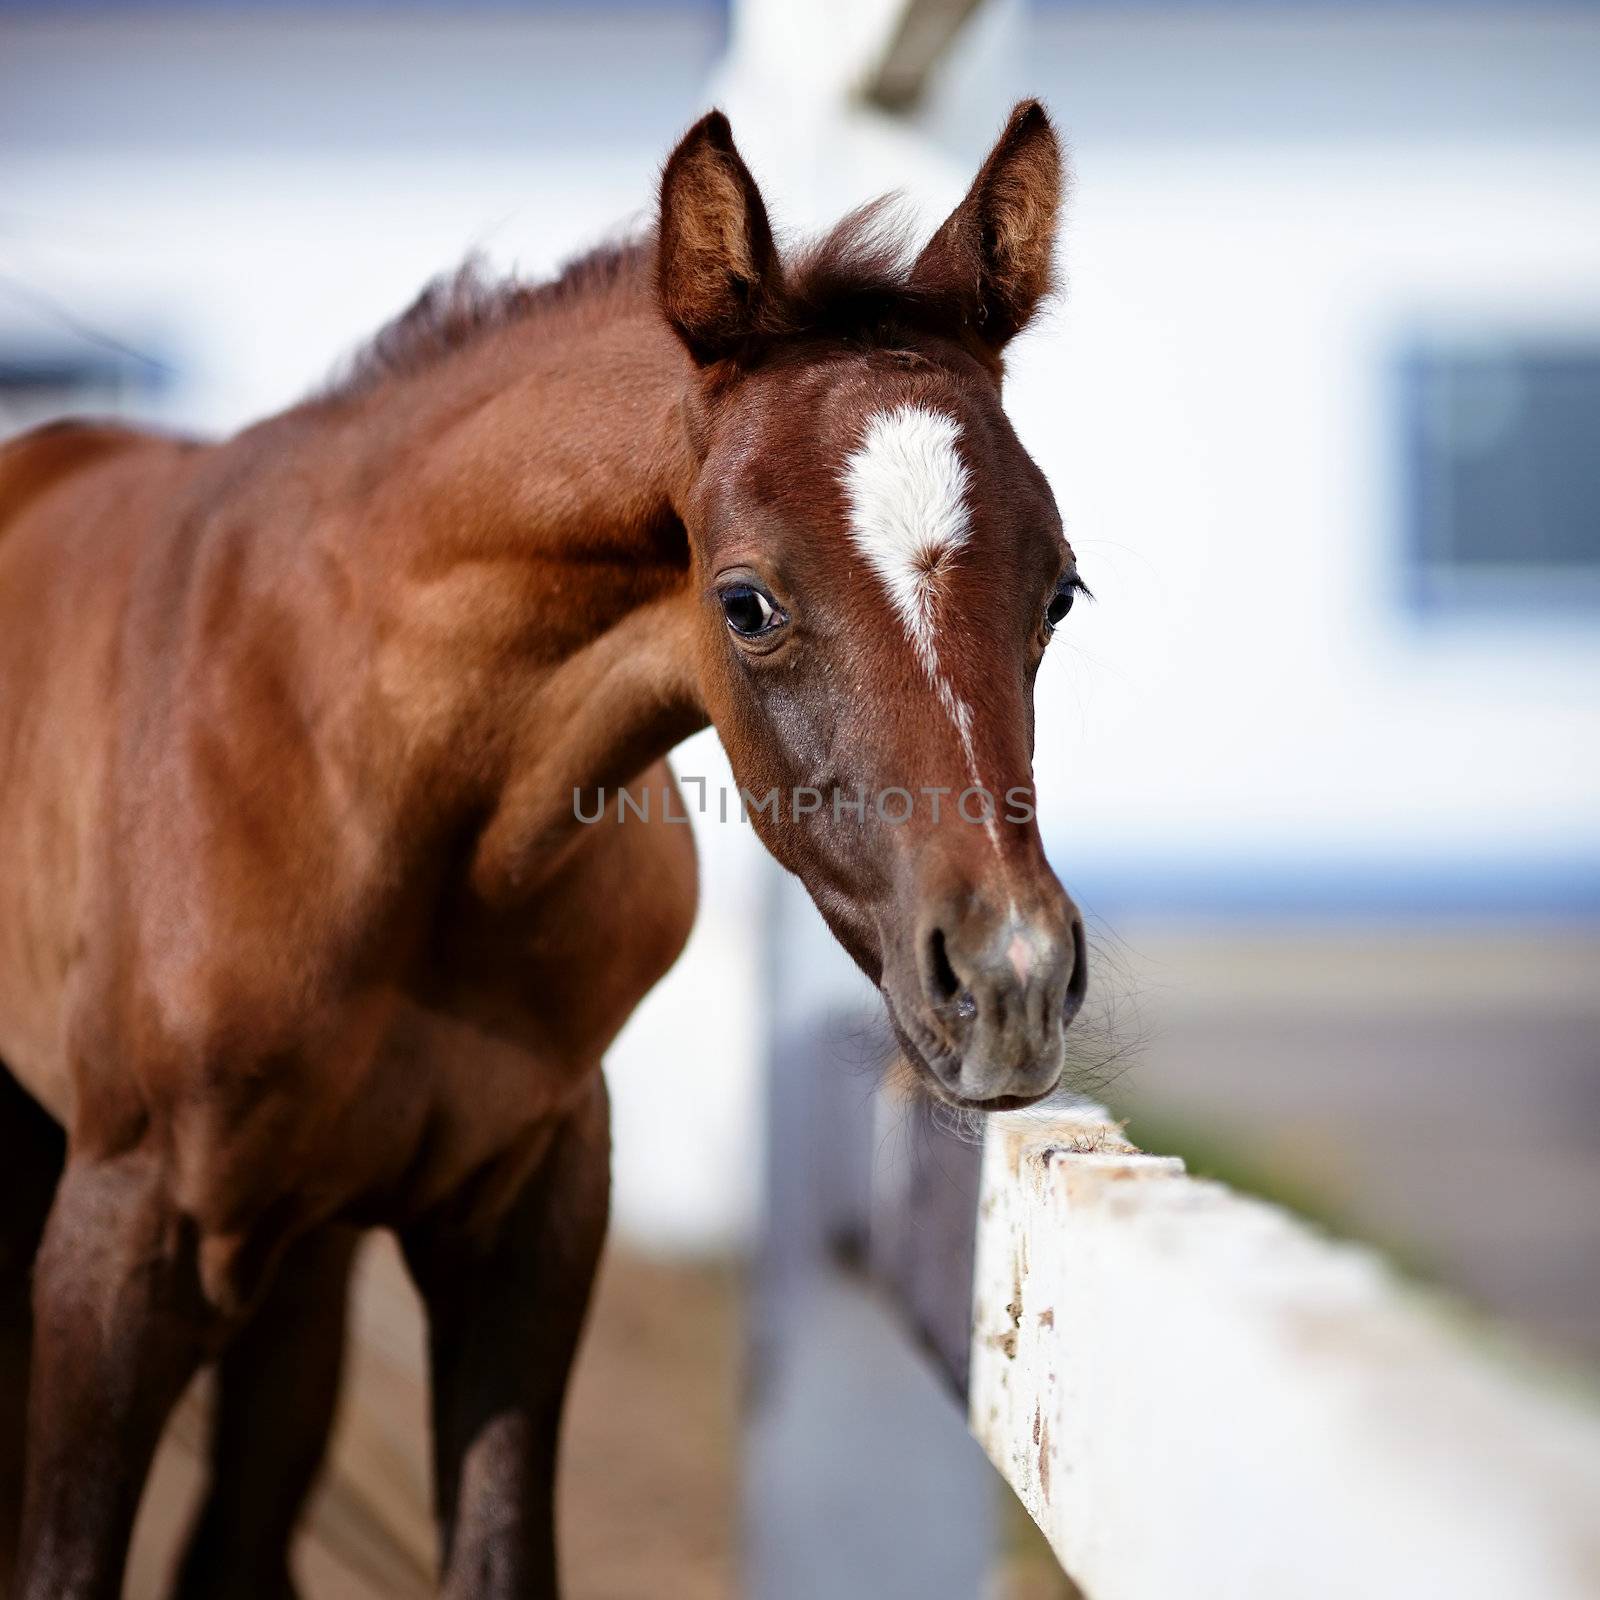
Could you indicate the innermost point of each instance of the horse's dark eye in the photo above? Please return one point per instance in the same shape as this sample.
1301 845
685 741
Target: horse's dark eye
1060 604
749 612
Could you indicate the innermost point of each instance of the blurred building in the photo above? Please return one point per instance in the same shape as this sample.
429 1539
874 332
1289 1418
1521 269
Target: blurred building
1320 407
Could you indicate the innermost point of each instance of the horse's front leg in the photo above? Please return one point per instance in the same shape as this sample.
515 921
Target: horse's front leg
120 1324
277 1390
505 1310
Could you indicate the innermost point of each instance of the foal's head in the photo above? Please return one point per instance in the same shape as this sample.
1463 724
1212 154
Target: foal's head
881 568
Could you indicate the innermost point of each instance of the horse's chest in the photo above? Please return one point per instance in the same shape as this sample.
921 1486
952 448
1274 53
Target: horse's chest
513 1009
449 1098
563 970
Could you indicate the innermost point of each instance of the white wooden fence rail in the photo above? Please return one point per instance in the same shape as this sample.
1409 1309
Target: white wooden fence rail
1195 1395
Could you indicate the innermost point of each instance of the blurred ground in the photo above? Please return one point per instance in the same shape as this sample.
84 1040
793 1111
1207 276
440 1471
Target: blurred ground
650 1497
648 1505
1435 1091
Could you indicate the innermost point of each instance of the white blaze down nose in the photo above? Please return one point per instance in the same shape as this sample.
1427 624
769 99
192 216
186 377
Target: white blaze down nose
907 487
1020 954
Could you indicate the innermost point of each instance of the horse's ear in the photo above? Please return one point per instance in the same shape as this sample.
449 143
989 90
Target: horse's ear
716 266
993 255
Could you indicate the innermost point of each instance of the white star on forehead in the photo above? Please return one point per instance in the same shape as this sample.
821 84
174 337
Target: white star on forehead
908 511
907 488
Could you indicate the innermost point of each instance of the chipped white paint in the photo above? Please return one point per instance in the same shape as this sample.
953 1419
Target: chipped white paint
1194 1394
907 487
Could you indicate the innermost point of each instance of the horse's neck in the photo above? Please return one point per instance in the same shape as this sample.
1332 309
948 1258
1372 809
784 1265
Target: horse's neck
541 633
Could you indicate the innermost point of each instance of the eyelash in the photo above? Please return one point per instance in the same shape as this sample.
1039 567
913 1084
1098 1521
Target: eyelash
1067 589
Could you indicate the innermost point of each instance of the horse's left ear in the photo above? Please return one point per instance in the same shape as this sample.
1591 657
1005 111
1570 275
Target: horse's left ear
716 266
993 255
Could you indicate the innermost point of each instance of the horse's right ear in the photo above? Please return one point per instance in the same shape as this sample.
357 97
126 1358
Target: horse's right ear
716 265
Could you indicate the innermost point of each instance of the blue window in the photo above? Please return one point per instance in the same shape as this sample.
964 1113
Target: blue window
1501 454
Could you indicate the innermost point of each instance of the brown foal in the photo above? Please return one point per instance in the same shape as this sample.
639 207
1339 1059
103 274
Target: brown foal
300 928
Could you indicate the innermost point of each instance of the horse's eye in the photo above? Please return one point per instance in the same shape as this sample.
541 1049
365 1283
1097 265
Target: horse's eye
1060 603
749 612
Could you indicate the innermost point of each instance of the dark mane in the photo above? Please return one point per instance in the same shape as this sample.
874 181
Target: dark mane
853 283
457 307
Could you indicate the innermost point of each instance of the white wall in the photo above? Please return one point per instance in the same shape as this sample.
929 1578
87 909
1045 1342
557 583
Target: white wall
1214 418
1264 207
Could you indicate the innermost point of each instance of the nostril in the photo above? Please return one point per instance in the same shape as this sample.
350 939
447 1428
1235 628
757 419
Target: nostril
942 979
1078 983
